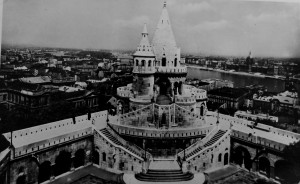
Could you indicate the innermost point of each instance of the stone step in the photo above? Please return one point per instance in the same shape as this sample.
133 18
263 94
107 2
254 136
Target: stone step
163 177
164 172
214 139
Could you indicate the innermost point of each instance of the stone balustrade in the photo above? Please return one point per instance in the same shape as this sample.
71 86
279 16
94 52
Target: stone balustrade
139 151
243 122
166 69
267 143
118 146
124 92
199 143
161 133
212 147
185 99
143 69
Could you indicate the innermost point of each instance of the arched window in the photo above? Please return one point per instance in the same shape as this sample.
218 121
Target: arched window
163 62
143 62
226 159
175 62
220 157
104 157
149 63
136 62
201 110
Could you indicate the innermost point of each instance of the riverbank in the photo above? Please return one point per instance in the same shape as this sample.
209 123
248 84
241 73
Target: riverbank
236 73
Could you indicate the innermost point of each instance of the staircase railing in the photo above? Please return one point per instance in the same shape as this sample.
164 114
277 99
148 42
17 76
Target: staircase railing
211 146
118 146
135 148
199 143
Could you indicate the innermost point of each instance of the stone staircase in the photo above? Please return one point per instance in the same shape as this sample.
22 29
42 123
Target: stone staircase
164 176
117 142
164 170
214 139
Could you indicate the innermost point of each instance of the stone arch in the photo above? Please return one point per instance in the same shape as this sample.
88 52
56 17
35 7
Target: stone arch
220 157
62 162
175 62
164 86
283 170
175 89
242 157
264 166
21 179
136 62
143 62
79 158
149 63
44 171
96 157
226 158
21 176
180 87
201 110
103 156
163 61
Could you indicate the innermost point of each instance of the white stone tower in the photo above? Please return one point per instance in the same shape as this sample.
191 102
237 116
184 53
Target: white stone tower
143 71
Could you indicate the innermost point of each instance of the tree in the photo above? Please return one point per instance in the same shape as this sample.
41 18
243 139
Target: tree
291 154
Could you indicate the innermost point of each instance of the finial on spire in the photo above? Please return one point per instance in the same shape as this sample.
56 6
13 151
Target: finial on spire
165 4
145 29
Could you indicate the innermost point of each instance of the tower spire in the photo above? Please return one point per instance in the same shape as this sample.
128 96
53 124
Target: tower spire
145 29
163 40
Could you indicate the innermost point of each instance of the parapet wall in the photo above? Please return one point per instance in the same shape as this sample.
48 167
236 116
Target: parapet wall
43 136
270 129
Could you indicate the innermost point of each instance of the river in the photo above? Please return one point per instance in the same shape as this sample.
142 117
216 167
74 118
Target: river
273 85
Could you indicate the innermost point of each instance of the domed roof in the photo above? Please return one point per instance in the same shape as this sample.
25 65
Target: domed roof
163 100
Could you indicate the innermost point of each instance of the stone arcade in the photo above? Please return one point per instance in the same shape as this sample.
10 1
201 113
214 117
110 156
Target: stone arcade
166 135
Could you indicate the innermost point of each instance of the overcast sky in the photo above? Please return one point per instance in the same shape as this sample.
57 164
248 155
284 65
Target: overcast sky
222 27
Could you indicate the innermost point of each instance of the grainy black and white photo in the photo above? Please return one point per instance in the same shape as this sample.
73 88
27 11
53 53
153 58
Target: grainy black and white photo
150 92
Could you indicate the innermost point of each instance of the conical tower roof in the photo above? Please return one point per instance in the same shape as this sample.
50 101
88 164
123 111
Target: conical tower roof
163 39
144 48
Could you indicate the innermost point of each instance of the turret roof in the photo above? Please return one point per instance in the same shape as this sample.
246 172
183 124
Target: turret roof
144 48
163 39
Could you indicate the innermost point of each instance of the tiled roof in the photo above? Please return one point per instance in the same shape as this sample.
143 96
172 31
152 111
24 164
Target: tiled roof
36 80
144 48
163 39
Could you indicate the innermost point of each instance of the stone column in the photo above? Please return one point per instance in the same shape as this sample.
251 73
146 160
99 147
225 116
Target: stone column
272 172
243 160
72 161
116 162
255 166
184 167
52 172
144 166
87 158
172 87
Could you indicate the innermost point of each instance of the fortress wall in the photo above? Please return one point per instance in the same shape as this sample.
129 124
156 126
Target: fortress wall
116 158
210 158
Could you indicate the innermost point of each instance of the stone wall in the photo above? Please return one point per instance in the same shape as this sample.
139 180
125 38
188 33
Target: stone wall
208 158
114 158
29 165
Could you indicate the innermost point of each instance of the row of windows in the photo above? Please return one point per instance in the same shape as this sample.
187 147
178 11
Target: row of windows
163 62
143 63
24 100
